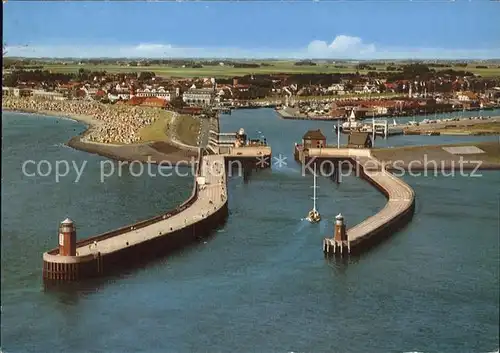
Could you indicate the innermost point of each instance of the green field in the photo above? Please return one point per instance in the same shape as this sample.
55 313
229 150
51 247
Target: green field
207 71
229 71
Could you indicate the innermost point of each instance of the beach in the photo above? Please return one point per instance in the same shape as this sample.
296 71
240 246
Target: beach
114 131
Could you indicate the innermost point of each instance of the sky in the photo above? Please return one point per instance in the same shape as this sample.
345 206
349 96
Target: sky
377 29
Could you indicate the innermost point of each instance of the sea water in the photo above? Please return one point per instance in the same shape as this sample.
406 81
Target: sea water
261 283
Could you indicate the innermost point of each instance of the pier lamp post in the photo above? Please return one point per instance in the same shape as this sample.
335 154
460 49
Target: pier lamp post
338 134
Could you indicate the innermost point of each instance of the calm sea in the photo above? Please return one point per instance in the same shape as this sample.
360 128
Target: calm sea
261 283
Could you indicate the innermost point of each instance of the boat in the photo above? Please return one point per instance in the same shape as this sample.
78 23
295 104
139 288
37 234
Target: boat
313 216
351 124
395 129
413 123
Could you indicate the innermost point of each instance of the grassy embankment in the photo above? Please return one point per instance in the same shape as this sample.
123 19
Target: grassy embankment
491 153
157 131
491 128
229 71
185 129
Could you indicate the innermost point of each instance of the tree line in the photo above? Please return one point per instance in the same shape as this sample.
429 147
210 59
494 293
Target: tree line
38 76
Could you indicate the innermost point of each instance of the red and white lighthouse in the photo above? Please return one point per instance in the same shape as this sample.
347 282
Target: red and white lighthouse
340 233
67 238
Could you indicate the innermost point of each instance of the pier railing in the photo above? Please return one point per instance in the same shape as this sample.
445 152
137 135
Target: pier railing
144 223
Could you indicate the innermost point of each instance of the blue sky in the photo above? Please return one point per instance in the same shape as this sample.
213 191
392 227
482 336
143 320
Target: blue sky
324 29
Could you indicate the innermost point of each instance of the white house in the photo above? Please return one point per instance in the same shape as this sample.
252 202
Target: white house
337 87
199 96
48 95
159 92
370 88
466 96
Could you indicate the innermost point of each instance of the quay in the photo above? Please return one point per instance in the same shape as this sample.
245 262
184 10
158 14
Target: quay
222 110
205 210
400 196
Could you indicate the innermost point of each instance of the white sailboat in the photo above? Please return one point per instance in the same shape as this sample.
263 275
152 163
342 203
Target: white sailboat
313 216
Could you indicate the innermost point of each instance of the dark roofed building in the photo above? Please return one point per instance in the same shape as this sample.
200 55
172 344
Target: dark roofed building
359 140
313 139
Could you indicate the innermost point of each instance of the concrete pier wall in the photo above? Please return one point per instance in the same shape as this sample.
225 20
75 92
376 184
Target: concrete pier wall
401 217
205 210
396 213
82 267
68 268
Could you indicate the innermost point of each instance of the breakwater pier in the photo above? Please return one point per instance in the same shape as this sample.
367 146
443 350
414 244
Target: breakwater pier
396 213
205 210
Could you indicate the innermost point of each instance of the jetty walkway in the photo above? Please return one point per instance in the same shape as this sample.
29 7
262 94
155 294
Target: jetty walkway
205 210
395 214
211 197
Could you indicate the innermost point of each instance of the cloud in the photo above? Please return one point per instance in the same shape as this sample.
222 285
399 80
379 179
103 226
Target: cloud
341 46
153 47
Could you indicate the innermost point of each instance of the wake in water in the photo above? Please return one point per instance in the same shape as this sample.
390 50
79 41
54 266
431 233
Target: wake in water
61 145
300 226
323 224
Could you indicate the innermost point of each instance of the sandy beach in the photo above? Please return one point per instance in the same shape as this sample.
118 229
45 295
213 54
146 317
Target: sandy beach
112 131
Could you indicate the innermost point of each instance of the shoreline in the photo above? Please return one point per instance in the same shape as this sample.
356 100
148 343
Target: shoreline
432 158
87 120
303 117
158 152
445 168
306 118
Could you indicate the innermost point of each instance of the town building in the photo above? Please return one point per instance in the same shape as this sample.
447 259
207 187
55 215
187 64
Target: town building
336 88
159 92
313 139
199 96
16 92
48 95
155 102
466 96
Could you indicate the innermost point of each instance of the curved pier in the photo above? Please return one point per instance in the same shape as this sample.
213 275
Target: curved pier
395 214
203 211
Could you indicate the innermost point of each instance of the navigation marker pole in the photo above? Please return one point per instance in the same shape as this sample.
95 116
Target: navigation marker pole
373 131
338 134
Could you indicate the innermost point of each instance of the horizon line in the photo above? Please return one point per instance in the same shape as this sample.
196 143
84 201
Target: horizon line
243 59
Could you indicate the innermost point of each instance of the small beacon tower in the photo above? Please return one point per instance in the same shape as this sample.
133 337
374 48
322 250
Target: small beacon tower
67 238
340 241
241 138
